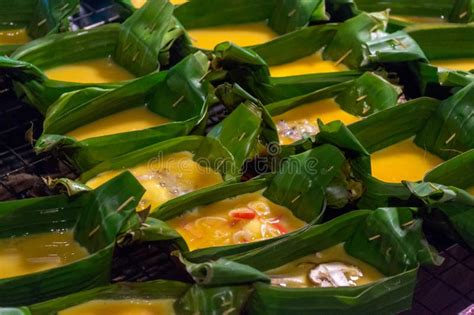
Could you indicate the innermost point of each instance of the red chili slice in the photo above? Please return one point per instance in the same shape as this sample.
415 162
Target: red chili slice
242 214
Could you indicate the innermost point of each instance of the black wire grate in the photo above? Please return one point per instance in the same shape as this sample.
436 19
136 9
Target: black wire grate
447 289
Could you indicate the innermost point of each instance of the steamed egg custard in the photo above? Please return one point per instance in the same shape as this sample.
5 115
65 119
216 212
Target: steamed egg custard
242 219
24 255
248 34
402 161
14 36
102 70
134 119
140 3
420 19
122 307
301 121
166 177
331 267
455 64
307 65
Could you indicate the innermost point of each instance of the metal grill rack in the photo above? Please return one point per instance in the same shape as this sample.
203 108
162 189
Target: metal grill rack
448 289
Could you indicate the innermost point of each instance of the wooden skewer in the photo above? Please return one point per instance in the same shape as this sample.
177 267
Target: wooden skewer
41 22
123 205
291 13
450 138
178 101
296 198
94 230
361 98
120 208
343 57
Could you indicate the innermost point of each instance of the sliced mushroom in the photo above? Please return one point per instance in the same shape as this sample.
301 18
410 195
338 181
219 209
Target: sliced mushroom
334 274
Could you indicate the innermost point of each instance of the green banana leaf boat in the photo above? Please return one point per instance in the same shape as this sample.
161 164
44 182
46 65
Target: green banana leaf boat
289 154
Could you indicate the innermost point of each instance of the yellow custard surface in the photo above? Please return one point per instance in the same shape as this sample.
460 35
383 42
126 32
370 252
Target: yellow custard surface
166 177
294 124
307 65
122 307
402 161
38 252
102 70
242 219
455 64
134 119
14 36
295 273
248 34
419 19
140 3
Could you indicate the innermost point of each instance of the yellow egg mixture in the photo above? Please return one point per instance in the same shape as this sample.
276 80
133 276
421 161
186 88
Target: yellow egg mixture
455 64
307 65
242 219
122 307
294 124
403 161
248 34
102 70
134 119
166 177
38 252
419 19
140 3
14 36
331 267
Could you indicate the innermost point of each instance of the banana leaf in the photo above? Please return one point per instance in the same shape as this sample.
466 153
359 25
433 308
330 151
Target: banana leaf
395 47
95 220
355 185
437 41
395 252
158 91
296 45
239 132
284 16
347 44
129 44
455 11
395 124
152 290
439 82
299 185
214 300
38 17
223 272
363 96
362 41
290 15
456 204
233 96
188 299
287 87
248 69
449 131
458 171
